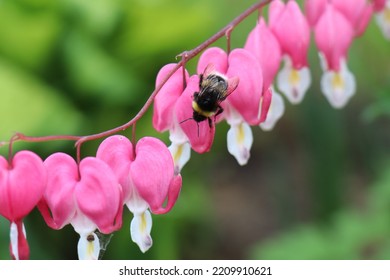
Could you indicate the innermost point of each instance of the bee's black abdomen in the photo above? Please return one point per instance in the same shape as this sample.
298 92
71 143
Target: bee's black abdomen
209 101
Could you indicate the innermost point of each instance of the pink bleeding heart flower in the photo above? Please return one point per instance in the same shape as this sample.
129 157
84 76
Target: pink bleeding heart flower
291 28
22 183
333 36
262 43
247 105
357 12
88 196
164 102
383 17
200 134
147 176
172 109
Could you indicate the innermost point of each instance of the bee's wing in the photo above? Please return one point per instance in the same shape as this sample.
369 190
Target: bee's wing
232 85
210 68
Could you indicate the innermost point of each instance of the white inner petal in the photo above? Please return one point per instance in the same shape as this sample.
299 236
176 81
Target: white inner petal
82 224
14 240
232 116
177 135
276 111
137 204
338 87
293 83
88 247
140 229
181 154
239 142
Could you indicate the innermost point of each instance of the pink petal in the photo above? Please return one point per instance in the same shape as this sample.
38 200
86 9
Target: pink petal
333 36
246 98
165 100
364 20
262 43
293 33
378 5
173 194
203 141
314 10
98 195
117 152
152 171
276 8
61 182
265 104
351 9
21 185
215 56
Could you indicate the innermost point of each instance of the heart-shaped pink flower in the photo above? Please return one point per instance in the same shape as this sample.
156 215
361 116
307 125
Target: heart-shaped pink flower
22 183
148 179
89 190
149 171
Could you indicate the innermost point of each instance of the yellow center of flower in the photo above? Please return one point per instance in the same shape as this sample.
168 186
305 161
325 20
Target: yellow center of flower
142 225
337 81
178 153
90 247
240 134
294 77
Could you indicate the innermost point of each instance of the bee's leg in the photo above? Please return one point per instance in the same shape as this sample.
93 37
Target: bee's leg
219 111
210 122
200 80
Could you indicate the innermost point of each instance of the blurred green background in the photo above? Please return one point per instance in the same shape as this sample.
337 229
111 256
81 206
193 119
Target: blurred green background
316 187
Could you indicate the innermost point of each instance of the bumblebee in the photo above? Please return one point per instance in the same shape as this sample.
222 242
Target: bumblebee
213 89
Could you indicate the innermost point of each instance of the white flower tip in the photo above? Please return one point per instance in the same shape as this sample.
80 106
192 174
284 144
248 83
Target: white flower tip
275 112
294 82
88 247
140 228
338 87
239 142
244 157
181 154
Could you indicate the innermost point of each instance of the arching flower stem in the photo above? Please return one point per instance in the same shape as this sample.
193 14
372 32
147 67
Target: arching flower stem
185 57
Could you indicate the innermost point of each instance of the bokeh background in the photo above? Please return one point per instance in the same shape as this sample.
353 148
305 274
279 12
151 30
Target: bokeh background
316 187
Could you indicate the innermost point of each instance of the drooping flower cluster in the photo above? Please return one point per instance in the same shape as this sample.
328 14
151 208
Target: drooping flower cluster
90 195
254 102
